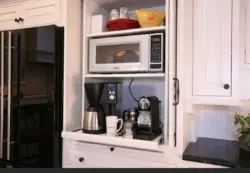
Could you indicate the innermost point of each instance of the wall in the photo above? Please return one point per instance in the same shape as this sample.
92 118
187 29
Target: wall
139 87
218 121
144 87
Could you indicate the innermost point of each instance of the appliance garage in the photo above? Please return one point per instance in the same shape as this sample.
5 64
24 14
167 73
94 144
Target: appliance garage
125 83
117 103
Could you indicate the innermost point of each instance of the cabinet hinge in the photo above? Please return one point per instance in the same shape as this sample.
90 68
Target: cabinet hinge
177 91
175 139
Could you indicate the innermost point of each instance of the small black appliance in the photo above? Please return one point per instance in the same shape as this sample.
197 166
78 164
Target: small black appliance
103 99
149 123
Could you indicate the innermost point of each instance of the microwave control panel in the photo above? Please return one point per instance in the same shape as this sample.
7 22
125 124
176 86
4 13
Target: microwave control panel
156 58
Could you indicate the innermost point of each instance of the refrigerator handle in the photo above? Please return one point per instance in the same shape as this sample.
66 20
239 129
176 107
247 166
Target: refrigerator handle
2 93
9 95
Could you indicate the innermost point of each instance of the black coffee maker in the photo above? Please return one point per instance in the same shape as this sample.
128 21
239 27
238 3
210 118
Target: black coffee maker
103 99
149 123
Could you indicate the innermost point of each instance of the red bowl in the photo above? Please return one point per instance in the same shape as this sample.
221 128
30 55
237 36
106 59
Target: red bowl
122 24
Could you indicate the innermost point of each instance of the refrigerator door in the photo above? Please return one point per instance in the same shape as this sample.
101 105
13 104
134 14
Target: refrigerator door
8 99
31 97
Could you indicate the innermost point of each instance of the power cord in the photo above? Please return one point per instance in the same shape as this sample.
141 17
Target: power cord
129 87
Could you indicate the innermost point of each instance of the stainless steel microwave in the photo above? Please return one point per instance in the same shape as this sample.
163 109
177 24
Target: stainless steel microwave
136 53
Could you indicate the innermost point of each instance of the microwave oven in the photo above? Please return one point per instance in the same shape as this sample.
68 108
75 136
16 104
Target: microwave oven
127 54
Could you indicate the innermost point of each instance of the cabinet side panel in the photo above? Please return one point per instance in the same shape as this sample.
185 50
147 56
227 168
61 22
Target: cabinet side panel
73 74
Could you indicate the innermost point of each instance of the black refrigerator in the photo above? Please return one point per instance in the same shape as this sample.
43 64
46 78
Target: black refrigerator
31 97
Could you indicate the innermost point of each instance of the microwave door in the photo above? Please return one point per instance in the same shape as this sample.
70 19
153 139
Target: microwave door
119 54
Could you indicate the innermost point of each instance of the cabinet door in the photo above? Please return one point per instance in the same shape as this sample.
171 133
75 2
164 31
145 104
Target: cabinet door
212 46
42 12
8 15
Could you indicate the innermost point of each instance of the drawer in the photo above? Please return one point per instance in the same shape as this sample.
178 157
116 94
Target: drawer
118 151
82 158
42 12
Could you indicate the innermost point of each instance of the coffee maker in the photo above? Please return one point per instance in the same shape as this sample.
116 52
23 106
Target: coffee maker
104 99
149 123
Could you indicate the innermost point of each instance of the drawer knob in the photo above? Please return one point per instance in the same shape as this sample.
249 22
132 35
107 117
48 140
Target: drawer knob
16 20
112 149
21 19
81 159
226 86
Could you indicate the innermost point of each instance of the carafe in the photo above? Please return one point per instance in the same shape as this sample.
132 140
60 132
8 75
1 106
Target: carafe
130 122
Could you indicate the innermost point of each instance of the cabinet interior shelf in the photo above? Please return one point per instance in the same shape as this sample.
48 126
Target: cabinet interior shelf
132 75
127 32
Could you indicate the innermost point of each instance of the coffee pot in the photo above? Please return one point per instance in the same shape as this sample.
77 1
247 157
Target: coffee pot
130 122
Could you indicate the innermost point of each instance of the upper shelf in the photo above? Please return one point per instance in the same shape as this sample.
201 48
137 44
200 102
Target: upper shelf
127 32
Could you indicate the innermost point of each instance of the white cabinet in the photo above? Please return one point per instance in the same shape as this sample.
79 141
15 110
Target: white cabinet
209 52
8 13
203 165
19 14
85 158
82 155
42 12
212 48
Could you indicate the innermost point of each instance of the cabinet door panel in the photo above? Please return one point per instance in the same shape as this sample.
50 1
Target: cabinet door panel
212 46
42 12
7 17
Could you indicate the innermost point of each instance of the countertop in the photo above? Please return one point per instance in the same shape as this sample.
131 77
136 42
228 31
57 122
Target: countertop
217 152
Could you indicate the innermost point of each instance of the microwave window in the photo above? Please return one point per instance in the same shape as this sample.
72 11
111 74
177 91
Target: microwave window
122 53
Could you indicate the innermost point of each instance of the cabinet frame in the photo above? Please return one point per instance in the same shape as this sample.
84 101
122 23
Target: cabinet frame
245 34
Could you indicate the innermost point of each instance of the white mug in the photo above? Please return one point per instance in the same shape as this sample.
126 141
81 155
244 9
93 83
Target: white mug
111 125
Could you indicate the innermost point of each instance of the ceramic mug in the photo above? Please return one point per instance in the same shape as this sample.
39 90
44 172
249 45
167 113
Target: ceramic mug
111 125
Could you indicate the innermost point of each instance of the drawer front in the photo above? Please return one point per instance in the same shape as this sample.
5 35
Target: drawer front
42 12
81 158
118 151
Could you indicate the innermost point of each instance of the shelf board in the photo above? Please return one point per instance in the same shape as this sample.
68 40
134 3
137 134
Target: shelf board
127 32
117 141
132 75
